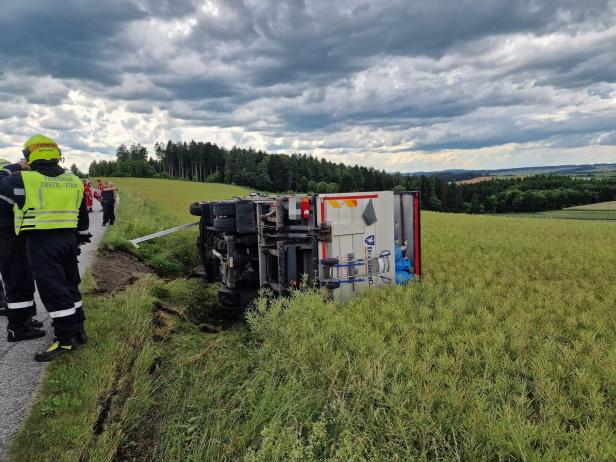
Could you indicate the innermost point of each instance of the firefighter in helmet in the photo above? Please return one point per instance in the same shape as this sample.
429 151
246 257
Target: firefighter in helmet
50 213
18 292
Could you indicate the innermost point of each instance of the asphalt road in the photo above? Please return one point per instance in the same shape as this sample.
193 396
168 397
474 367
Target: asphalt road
20 375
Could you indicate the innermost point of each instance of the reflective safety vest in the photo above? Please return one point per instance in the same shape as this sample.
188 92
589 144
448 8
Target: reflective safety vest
50 202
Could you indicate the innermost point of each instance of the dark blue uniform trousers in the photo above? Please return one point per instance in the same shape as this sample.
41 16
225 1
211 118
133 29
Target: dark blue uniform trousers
53 258
17 278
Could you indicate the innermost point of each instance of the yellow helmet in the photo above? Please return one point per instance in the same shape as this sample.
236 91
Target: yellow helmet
40 147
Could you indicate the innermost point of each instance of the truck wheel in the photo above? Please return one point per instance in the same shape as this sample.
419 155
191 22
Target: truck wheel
224 224
224 209
195 209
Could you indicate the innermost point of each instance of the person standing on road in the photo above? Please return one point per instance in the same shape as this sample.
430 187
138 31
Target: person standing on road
98 190
108 201
50 213
87 191
16 277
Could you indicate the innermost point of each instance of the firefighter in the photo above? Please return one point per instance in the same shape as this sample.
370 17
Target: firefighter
87 191
18 293
98 190
108 201
50 213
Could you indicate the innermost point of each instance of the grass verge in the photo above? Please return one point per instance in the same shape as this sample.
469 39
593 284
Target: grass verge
90 401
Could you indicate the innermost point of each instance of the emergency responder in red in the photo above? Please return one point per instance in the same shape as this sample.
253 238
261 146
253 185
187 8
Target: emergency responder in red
87 191
108 201
17 278
98 190
50 213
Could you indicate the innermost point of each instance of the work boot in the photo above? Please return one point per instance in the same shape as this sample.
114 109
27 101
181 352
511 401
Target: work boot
24 333
31 322
56 349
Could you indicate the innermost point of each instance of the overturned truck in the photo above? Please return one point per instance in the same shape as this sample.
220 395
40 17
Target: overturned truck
342 243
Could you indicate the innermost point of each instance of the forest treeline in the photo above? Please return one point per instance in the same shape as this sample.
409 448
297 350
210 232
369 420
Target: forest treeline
204 161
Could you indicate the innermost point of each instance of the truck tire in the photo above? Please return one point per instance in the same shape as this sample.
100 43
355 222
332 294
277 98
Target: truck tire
195 209
224 209
224 224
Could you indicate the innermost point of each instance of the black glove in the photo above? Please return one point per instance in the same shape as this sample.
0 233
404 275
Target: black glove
84 238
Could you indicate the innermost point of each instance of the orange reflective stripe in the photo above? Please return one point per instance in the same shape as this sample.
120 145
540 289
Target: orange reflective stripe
36 147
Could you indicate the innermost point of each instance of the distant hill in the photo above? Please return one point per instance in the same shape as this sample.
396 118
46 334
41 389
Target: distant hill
574 170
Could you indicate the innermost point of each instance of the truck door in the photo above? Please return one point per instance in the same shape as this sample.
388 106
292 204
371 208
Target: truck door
361 251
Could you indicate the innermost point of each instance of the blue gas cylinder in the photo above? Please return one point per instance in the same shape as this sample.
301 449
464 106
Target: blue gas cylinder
398 252
404 264
402 277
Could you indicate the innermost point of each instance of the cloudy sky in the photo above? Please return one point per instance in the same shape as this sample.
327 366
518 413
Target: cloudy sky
398 84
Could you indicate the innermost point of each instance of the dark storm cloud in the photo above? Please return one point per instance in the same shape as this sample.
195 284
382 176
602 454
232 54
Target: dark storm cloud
308 39
318 67
65 39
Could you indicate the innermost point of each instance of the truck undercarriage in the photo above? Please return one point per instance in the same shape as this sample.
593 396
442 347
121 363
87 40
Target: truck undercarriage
341 243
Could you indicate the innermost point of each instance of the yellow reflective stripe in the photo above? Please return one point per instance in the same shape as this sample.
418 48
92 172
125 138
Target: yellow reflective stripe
48 212
334 203
34 221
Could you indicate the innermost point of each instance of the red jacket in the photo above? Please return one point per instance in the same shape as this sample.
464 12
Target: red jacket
87 191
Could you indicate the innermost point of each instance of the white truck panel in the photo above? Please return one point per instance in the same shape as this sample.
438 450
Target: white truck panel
365 252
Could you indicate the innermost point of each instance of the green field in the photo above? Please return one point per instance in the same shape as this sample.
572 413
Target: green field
176 195
604 206
569 214
506 350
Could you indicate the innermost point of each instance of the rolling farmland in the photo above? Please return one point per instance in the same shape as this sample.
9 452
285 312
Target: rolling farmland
602 206
598 211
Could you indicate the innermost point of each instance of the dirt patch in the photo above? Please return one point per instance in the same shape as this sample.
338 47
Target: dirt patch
113 271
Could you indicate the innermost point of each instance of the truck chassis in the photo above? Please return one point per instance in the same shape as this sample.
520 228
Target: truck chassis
341 243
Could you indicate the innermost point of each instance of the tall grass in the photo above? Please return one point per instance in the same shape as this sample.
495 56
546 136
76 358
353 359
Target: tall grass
506 350
77 388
